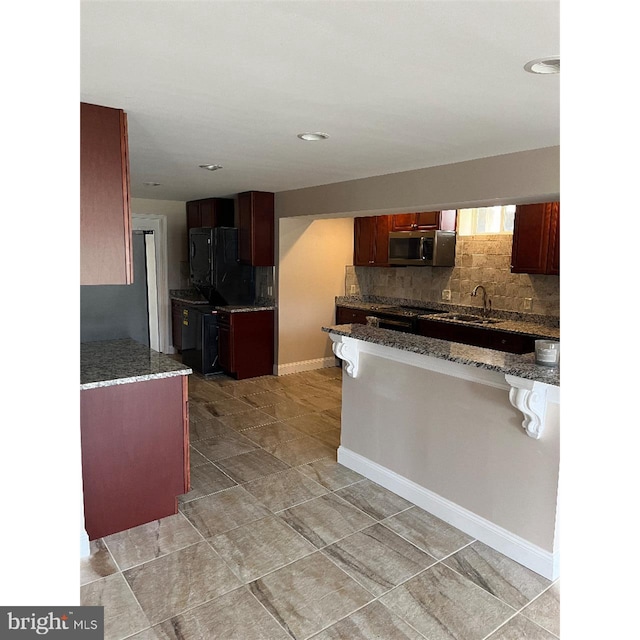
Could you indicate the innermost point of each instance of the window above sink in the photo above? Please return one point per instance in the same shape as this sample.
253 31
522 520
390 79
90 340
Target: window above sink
486 220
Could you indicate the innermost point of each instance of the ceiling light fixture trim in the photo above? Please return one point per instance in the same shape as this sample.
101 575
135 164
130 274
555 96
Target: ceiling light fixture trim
210 167
543 65
311 136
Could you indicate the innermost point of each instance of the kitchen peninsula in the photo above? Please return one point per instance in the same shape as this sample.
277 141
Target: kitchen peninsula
134 426
467 433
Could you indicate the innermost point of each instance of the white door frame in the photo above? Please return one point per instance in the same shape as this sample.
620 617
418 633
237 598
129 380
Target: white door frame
158 224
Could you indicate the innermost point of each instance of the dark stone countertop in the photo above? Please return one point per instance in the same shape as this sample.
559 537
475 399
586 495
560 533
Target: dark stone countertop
521 366
110 362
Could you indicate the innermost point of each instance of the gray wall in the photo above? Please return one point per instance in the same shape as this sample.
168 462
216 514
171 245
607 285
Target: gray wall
110 312
514 178
459 439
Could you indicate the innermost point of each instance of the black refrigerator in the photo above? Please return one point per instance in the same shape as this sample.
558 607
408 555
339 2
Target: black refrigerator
214 267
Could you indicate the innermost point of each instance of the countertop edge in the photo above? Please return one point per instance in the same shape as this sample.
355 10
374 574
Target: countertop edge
480 357
143 378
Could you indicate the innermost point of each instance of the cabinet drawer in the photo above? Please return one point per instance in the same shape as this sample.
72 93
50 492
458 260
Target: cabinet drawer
511 342
345 315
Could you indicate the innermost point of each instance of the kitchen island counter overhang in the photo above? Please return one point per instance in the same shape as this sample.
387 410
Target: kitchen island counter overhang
469 434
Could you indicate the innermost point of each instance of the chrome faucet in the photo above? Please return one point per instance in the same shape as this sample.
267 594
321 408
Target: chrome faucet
486 303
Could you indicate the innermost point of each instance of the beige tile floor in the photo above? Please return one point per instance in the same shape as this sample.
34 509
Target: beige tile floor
276 540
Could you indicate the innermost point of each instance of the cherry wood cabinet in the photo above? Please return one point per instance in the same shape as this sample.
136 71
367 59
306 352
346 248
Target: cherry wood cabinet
347 315
106 255
210 212
536 239
135 453
477 336
371 241
245 343
256 210
424 220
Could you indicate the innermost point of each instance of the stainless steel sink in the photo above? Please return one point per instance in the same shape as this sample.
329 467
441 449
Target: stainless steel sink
461 317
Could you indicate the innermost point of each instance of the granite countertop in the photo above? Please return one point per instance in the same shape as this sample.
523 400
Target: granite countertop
110 362
190 296
244 308
521 366
512 322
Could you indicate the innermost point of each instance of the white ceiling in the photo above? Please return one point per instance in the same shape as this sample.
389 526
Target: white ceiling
396 85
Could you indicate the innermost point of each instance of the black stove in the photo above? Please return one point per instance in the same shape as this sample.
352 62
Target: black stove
403 319
408 312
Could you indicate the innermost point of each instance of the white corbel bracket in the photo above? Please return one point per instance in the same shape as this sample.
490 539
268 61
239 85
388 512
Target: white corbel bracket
346 349
530 397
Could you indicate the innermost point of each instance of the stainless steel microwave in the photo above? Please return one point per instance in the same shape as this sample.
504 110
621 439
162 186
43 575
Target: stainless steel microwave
422 248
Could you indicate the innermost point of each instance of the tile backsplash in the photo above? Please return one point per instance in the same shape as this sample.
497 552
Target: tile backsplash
481 259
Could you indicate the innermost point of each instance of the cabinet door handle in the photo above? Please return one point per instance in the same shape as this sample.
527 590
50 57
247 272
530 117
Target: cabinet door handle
193 249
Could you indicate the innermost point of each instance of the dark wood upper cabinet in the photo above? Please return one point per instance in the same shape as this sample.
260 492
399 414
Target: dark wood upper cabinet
106 255
553 263
424 220
371 241
256 211
210 212
536 239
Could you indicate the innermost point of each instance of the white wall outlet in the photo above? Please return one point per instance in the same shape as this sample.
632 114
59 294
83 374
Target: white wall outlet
446 294
528 303
269 290
353 289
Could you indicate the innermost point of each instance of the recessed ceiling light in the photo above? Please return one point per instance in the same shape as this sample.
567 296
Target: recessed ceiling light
317 135
211 167
543 65
151 184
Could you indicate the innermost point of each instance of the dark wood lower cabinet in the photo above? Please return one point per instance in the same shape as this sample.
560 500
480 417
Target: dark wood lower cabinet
135 453
245 343
482 336
346 315
477 336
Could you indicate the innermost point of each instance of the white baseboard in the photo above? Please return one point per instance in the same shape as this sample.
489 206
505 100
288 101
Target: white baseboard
305 365
511 545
